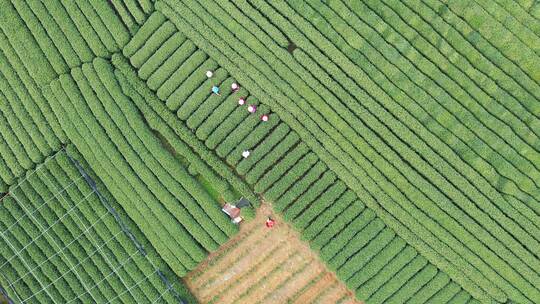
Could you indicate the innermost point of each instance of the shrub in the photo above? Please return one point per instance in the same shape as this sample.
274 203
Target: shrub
171 65
85 29
201 98
150 26
327 199
180 75
152 44
411 287
275 173
306 199
182 133
269 143
160 56
299 190
360 257
66 25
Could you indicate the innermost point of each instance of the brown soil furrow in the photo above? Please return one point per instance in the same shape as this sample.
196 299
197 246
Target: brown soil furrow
326 293
348 299
253 277
242 268
311 293
299 280
236 262
220 259
268 285
296 295
332 295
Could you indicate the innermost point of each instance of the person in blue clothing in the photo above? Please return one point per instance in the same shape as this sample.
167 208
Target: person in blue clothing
215 90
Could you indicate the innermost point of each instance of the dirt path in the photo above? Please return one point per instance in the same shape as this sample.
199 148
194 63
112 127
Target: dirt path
262 265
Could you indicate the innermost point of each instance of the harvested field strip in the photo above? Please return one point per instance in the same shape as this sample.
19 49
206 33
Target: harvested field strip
261 265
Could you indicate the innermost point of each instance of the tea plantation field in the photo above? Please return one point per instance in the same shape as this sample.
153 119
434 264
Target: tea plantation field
400 139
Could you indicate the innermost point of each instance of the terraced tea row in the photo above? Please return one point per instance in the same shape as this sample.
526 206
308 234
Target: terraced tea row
399 138
185 220
447 201
63 245
287 173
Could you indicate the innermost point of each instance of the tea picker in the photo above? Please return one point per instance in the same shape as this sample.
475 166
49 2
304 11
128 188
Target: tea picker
215 90
270 222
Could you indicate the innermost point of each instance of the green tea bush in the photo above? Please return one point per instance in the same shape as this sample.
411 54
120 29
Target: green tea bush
88 32
207 104
388 272
325 218
152 44
298 190
245 129
171 65
185 135
195 98
304 201
411 287
373 266
392 286
67 25
275 173
228 126
160 56
126 193
270 143
41 35
182 73
328 234
143 34
189 85
254 139
360 257
352 239
319 206
221 112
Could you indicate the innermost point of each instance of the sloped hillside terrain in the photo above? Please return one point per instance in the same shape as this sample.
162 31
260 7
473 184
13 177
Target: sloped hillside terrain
400 139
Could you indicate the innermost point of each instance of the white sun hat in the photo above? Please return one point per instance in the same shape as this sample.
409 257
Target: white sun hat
209 74
245 154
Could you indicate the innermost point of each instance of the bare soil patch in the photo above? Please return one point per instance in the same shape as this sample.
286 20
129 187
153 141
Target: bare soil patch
266 265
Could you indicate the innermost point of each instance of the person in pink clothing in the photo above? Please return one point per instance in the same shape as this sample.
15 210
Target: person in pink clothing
270 222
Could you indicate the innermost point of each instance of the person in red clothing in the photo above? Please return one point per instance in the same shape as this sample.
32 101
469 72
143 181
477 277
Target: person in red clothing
270 222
